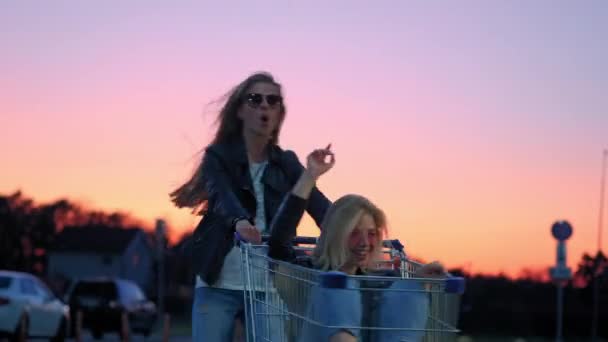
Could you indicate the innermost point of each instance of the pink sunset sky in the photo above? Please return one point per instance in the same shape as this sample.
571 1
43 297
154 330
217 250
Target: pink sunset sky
474 124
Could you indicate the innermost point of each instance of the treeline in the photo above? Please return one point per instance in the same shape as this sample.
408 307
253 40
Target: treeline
491 305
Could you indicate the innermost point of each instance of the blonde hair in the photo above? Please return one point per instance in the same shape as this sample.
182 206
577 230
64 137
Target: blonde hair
340 220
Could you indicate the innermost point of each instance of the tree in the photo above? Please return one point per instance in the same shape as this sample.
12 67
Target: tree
590 267
28 230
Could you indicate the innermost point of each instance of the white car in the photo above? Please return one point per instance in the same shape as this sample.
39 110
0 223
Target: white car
29 308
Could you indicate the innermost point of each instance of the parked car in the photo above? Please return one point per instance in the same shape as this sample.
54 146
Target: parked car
29 309
103 301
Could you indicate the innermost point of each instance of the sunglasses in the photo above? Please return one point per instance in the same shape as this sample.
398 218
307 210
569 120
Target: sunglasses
255 99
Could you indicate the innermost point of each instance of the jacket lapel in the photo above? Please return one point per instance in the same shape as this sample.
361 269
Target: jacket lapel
274 176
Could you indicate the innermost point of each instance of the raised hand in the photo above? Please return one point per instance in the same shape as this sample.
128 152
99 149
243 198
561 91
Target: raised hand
317 162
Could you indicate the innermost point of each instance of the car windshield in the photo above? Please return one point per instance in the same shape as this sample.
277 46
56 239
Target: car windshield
105 290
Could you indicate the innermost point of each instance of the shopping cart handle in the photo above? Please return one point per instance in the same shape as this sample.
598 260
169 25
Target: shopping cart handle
238 238
298 240
394 244
304 240
455 285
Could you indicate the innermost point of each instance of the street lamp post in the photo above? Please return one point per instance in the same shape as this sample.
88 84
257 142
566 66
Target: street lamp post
161 232
600 223
561 273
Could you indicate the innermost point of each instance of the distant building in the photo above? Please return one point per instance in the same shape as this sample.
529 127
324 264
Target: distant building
90 251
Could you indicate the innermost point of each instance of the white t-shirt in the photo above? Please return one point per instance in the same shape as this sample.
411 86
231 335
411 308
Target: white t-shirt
230 277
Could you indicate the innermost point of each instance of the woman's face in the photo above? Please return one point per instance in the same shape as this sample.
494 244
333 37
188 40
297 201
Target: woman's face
362 241
261 109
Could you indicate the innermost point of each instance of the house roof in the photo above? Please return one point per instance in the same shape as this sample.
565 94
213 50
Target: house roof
94 239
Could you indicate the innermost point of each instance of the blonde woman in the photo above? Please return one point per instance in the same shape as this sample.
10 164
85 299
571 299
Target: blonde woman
351 236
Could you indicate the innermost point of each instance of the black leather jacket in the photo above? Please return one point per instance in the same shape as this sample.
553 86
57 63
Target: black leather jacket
284 228
231 197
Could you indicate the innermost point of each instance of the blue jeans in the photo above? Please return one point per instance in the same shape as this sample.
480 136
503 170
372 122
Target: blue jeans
332 307
214 311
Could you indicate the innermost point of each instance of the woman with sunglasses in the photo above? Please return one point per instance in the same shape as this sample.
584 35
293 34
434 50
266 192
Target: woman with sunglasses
238 187
350 242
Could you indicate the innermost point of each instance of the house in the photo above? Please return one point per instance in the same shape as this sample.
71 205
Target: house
90 251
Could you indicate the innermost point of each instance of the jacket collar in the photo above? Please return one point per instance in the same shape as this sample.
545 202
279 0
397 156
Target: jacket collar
236 151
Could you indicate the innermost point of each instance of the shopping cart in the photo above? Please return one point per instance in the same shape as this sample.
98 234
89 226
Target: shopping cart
288 302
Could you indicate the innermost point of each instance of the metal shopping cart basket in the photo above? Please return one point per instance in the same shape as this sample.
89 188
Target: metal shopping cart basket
289 302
